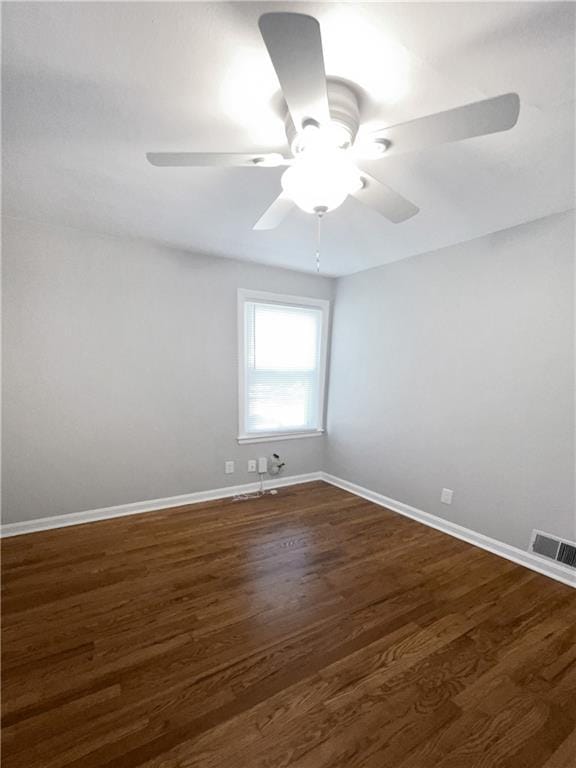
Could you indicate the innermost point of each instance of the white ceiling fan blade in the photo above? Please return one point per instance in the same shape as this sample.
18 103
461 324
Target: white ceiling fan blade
275 214
386 201
477 119
294 44
220 159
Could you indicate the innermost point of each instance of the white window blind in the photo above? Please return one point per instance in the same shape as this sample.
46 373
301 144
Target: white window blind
282 371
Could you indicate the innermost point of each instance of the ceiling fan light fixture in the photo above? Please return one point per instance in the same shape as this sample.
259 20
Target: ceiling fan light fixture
321 180
380 146
310 138
339 134
370 148
313 137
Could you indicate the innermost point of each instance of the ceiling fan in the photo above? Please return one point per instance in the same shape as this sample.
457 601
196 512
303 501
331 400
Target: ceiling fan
321 122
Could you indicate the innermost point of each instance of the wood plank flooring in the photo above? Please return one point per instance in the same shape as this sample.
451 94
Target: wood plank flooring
311 629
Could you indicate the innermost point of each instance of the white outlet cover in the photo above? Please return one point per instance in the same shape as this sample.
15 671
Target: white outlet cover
446 496
252 465
228 467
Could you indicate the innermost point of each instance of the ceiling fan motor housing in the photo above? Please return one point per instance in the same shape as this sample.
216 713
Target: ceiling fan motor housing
344 112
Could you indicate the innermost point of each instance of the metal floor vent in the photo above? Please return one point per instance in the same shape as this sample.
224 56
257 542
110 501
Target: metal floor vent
556 549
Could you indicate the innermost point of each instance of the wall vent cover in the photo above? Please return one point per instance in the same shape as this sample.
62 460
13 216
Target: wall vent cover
561 550
567 554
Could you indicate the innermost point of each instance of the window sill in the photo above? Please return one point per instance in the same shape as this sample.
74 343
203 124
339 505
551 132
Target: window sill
278 436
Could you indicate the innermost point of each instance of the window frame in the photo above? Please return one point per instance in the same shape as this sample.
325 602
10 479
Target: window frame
246 295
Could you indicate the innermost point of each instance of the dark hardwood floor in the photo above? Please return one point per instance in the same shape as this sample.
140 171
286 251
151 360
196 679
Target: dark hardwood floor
311 629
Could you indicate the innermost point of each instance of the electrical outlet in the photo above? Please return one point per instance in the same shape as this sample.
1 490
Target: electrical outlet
228 467
262 465
251 465
446 496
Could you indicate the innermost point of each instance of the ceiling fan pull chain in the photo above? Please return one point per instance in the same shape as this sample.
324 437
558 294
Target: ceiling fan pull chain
318 219
319 215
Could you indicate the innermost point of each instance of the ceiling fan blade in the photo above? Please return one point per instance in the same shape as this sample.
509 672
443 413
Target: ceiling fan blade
386 201
275 214
477 119
221 159
294 44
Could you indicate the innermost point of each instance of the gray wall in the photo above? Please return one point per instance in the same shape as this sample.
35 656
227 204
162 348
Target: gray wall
456 369
453 369
120 371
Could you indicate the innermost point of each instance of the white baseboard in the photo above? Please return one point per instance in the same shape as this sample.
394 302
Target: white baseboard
136 508
528 559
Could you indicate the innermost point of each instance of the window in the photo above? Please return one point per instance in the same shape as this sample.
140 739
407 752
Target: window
282 365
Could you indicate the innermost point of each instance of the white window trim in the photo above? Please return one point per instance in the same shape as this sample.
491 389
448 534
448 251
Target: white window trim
244 295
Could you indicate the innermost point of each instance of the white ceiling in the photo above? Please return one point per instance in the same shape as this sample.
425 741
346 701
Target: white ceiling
88 88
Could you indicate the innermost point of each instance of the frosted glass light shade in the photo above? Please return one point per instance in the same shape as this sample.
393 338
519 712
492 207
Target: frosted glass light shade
321 180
